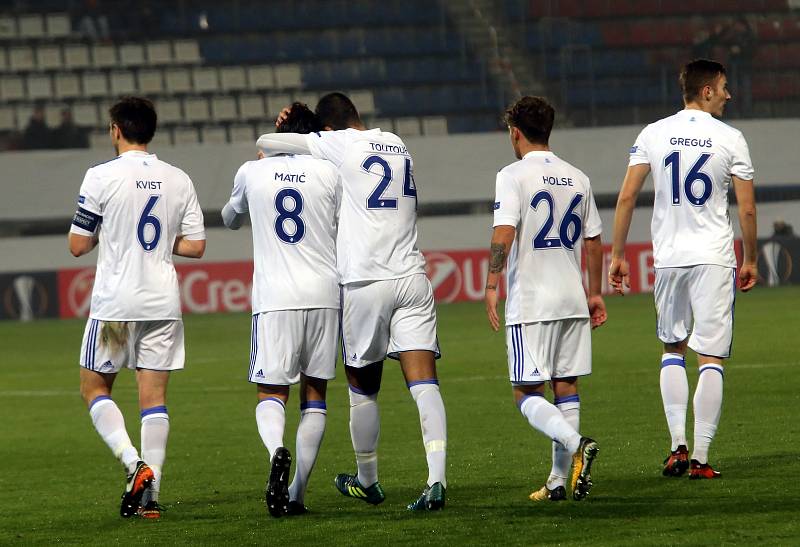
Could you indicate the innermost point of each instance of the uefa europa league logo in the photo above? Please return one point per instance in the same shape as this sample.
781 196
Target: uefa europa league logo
23 287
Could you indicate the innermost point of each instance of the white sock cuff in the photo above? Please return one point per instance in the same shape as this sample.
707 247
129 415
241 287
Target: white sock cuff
99 402
313 407
421 386
273 400
714 368
154 412
358 397
669 359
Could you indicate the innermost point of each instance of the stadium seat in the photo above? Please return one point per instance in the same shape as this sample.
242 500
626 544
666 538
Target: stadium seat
48 58
76 56
224 109
186 51
205 80
407 127
131 55
276 103
52 114
12 88
434 125
104 56
21 59
67 85
195 109
151 81
159 53
251 107
169 111
162 139
288 77
214 135
85 114
232 78
122 82
307 98
242 133
95 84
31 26
178 80
39 86
7 119
384 124
3 60
260 77
8 27
58 25
364 101
185 135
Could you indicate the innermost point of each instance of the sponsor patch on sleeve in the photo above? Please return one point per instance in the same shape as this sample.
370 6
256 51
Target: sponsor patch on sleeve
496 205
634 149
81 199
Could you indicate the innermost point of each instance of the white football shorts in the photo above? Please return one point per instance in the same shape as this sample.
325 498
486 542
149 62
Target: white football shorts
152 345
287 342
549 350
385 318
703 294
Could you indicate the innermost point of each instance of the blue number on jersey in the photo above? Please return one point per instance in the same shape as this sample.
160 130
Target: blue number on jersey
673 162
147 218
376 200
292 214
569 229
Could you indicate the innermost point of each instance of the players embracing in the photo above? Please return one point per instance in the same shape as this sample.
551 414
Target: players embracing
693 158
544 213
387 300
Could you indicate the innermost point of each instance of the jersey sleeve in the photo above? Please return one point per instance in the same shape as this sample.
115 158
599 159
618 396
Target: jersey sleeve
741 165
592 224
638 152
91 205
192 223
506 201
238 198
329 145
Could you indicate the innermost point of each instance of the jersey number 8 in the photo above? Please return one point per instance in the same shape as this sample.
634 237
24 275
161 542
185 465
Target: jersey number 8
296 200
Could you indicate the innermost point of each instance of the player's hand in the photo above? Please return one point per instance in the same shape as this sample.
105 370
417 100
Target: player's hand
260 155
283 115
597 311
619 276
748 276
491 308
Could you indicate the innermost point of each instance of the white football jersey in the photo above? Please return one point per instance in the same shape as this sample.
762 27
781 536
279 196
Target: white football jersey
137 205
293 202
378 220
692 156
551 205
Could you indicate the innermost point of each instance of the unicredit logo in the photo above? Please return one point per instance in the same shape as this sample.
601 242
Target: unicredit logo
79 294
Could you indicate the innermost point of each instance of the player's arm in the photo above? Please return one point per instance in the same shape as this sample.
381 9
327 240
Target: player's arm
231 218
272 144
619 272
189 248
594 265
746 201
80 245
502 238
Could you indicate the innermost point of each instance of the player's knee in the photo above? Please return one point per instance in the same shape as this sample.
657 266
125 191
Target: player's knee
360 397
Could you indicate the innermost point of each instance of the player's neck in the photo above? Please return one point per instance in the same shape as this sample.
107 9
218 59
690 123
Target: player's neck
123 147
695 106
525 147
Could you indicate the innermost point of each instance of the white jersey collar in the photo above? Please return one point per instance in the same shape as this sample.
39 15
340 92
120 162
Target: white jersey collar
694 112
538 153
135 153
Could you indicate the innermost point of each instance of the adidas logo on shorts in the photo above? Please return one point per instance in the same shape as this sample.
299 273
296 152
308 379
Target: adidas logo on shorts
260 373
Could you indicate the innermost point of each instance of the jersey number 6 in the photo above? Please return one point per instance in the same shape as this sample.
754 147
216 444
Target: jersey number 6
148 218
565 238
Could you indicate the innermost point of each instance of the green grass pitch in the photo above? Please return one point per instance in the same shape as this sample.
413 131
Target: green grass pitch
60 484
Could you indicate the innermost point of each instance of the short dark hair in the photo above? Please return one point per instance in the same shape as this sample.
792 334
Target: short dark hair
697 74
136 119
533 116
337 111
300 119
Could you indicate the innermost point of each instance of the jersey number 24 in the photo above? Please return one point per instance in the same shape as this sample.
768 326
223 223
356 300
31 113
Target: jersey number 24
376 199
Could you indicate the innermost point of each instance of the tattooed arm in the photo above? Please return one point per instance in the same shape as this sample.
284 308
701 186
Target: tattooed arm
502 238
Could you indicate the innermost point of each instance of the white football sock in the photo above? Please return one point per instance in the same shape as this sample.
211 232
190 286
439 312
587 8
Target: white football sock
110 424
271 421
365 427
570 408
545 417
433 422
155 431
310 431
707 409
675 396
